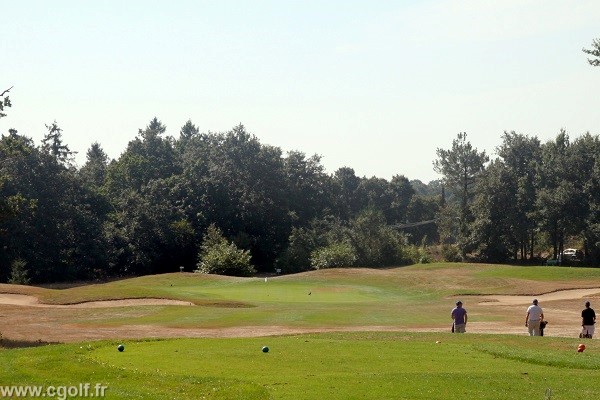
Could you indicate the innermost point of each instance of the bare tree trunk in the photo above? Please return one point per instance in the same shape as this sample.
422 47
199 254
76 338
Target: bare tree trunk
532 244
522 250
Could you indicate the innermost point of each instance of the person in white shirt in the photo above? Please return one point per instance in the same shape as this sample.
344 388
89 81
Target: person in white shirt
535 315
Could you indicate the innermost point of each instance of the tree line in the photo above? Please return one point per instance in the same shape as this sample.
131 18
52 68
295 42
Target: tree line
226 203
158 205
529 202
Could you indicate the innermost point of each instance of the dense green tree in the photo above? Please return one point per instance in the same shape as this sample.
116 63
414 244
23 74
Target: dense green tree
461 166
303 241
347 198
422 209
5 206
592 233
493 211
433 188
13 203
146 211
307 187
124 175
520 156
376 193
148 157
186 133
188 130
54 226
557 199
52 144
375 242
584 154
85 255
93 172
239 184
157 234
296 256
402 193
75 211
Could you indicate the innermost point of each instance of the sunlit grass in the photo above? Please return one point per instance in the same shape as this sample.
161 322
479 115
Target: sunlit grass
413 296
374 365
334 366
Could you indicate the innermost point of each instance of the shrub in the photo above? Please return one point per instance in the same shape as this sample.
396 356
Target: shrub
451 253
334 255
218 256
425 258
18 273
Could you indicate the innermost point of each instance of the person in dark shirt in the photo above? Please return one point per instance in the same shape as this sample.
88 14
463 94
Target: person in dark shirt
459 316
588 321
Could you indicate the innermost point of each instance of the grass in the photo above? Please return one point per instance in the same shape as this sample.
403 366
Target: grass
410 297
541 274
359 365
333 366
340 285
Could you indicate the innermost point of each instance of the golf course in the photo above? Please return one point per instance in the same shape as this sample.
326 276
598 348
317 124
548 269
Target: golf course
331 334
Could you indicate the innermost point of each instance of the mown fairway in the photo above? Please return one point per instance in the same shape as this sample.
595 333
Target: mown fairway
382 363
333 366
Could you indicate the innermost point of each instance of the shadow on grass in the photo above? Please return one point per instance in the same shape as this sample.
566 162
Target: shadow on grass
17 344
75 284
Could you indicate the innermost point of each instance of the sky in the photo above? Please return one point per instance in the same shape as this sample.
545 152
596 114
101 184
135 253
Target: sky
377 86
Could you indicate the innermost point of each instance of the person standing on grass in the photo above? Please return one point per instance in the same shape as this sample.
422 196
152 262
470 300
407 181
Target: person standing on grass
535 315
459 316
588 320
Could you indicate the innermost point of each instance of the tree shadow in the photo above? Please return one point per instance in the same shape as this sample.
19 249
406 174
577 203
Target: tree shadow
18 344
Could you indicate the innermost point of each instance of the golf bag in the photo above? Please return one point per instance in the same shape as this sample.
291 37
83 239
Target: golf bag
585 335
542 326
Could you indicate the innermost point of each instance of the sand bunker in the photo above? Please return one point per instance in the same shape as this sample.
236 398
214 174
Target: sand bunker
570 294
31 301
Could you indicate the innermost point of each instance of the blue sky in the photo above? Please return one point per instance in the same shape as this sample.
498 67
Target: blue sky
374 85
